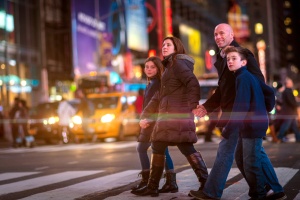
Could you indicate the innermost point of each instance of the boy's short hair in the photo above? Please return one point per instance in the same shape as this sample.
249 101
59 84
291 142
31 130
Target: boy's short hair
241 51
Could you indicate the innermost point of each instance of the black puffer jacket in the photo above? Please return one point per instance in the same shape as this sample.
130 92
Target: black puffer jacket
225 93
178 96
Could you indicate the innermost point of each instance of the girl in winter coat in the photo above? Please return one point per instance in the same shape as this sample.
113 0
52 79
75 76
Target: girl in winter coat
153 70
178 97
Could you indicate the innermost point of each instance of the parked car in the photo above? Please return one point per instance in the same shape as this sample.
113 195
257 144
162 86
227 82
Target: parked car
207 86
114 117
43 121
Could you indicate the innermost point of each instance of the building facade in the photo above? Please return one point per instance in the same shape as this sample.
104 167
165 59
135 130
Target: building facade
45 45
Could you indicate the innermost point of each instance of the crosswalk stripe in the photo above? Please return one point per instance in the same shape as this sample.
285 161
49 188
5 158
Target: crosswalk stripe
87 187
186 181
42 181
240 188
12 175
298 196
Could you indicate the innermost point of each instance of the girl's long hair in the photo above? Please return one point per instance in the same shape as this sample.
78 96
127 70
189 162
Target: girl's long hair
160 68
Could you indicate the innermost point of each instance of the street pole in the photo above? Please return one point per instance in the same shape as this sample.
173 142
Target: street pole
44 90
5 56
271 47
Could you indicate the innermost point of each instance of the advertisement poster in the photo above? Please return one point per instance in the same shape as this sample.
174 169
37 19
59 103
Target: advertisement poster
103 31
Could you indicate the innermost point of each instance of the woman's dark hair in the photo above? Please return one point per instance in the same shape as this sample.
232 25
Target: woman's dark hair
157 62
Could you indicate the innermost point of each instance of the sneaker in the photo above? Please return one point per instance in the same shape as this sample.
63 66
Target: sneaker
270 192
199 195
277 196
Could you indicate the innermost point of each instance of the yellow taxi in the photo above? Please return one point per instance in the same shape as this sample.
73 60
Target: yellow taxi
114 116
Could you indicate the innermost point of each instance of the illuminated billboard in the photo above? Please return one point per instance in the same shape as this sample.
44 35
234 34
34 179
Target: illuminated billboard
103 30
191 38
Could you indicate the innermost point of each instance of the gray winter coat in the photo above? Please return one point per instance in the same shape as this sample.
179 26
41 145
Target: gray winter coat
178 96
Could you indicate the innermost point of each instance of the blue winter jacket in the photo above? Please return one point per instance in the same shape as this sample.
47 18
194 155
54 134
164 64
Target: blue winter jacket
253 100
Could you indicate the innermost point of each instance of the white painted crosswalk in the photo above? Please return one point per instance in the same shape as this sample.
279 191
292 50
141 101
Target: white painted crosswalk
25 185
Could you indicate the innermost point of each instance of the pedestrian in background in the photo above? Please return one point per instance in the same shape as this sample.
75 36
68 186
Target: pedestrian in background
213 121
14 126
1 123
86 108
153 70
224 98
275 120
178 97
65 112
138 104
288 113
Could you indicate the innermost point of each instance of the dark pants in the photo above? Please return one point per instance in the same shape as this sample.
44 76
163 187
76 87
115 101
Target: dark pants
186 148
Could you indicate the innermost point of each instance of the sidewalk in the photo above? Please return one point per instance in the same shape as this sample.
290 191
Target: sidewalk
4 143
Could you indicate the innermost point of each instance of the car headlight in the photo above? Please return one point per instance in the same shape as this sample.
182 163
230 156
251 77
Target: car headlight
196 120
206 117
50 120
77 119
107 118
53 120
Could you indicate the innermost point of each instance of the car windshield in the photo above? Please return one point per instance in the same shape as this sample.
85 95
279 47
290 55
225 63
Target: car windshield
105 102
44 110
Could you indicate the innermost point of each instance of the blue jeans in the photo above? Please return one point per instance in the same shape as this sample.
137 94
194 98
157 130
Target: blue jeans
142 149
249 160
216 181
286 124
266 165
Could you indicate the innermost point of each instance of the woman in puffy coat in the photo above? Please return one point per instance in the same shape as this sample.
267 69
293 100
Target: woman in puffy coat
178 97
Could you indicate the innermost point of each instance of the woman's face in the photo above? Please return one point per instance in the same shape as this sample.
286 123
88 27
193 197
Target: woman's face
150 69
167 48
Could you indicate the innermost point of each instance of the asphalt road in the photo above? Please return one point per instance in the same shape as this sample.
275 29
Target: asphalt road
114 167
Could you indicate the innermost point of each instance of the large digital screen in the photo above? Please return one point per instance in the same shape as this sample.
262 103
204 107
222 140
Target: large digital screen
105 29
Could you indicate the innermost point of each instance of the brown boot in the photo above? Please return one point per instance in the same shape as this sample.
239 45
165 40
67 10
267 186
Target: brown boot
157 168
145 176
197 163
170 184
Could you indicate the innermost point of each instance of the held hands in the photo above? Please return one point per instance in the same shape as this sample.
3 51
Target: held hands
144 123
200 111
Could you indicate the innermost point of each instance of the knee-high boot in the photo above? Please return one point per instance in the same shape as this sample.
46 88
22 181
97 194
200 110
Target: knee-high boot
170 184
156 170
197 163
145 176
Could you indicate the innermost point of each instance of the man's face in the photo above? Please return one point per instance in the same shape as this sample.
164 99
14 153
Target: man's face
223 35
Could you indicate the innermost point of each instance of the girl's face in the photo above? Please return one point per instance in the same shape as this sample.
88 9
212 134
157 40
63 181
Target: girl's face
167 48
234 61
150 69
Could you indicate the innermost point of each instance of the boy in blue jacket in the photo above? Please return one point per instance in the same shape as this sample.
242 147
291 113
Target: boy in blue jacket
254 99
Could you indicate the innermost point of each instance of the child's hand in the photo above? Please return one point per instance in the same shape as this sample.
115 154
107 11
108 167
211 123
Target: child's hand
200 111
144 123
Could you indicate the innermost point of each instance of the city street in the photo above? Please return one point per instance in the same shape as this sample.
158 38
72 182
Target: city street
109 170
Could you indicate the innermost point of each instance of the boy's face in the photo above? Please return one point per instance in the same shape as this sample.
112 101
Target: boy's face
234 61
